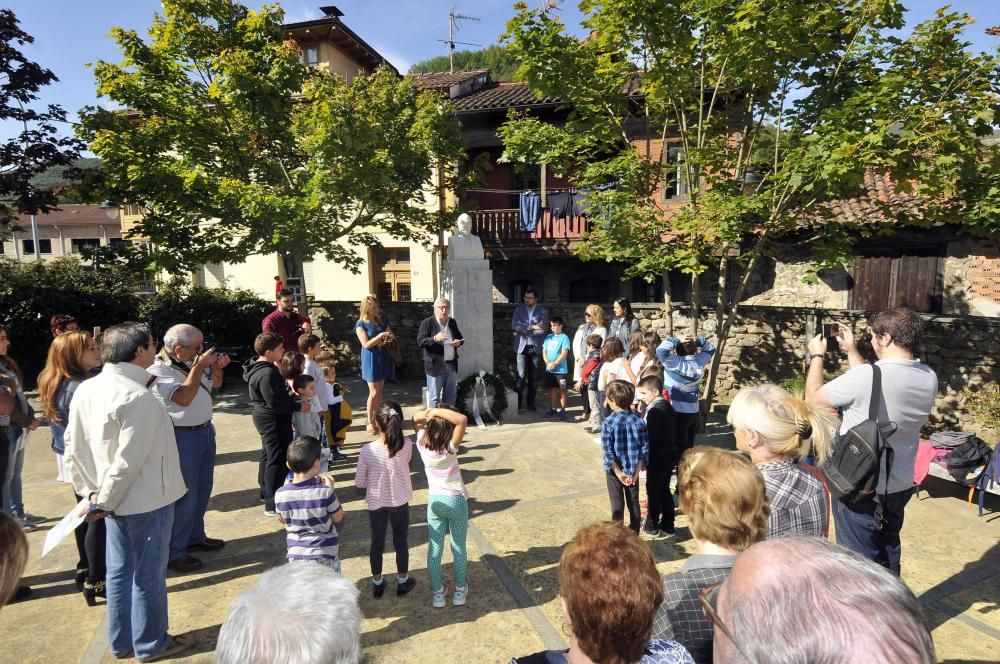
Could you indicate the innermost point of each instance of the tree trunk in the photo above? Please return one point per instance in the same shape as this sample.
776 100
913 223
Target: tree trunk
294 269
695 303
668 304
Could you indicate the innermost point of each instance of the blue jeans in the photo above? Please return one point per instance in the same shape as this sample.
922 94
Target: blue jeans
527 376
13 502
137 582
196 449
859 530
445 387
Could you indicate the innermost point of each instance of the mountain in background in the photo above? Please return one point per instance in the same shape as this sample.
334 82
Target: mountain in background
496 58
67 185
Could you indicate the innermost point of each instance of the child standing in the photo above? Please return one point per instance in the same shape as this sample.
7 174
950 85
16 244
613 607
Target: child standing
309 508
439 433
555 349
309 346
587 386
384 471
613 365
306 423
664 454
339 419
625 445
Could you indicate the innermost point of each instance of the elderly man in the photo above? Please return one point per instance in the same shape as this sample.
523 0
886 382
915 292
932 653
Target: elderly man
284 321
529 323
186 374
871 526
804 599
440 338
265 623
121 454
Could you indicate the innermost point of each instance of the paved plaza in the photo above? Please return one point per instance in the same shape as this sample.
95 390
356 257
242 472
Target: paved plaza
533 483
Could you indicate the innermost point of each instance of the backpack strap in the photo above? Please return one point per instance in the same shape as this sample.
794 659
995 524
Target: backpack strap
876 397
887 452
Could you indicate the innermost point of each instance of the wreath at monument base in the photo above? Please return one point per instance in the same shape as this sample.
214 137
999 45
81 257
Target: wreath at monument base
496 396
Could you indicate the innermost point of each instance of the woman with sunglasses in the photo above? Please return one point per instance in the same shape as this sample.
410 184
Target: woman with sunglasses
593 323
610 620
724 498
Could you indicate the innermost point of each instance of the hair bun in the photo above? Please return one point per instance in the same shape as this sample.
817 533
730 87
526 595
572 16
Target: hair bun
804 430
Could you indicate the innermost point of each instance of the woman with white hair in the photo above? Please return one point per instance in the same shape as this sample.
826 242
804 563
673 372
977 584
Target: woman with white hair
776 430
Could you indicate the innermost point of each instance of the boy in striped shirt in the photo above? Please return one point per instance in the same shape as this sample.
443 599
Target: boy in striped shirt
309 508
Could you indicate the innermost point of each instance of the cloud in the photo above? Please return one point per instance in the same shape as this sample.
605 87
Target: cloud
298 12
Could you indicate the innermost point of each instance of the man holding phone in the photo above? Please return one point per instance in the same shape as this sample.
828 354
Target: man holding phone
186 375
440 338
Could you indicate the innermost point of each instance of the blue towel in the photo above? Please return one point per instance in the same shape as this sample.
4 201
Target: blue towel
530 210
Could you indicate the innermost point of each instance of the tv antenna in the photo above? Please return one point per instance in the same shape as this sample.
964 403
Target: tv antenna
455 21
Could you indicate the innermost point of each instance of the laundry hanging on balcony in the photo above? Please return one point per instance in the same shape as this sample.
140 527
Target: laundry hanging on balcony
582 199
560 204
531 210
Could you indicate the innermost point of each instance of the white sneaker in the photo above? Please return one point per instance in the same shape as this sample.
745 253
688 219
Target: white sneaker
461 592
597 440
438 596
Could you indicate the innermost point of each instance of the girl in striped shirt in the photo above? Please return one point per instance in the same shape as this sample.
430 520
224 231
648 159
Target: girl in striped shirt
439 433
384 471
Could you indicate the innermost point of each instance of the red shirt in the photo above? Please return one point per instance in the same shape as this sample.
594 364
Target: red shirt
289 327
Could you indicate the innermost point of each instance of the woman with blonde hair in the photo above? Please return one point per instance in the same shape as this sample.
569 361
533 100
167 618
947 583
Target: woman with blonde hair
593 323
776 430
723 496
376 364
73 358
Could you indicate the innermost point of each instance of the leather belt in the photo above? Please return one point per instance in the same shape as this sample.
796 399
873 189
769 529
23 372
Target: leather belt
197 426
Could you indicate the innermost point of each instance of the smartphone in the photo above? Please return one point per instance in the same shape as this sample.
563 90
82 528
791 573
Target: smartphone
97 331
830 331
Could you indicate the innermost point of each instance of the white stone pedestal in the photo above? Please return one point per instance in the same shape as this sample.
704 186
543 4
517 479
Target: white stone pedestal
468 285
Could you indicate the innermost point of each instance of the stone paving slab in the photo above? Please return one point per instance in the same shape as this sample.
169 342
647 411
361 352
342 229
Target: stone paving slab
534 483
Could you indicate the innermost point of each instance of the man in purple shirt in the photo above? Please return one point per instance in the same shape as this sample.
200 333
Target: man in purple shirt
284 321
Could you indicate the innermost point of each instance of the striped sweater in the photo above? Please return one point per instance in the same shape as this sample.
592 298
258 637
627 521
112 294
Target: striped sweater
387 480
444 477
307 509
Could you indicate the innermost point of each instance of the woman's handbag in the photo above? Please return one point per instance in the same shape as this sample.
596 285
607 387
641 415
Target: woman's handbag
394 353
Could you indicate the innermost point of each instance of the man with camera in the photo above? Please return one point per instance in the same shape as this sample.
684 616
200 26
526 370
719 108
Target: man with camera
284 321
871 525
186 374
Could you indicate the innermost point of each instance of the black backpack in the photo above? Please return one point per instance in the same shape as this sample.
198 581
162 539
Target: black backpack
966 461
852 470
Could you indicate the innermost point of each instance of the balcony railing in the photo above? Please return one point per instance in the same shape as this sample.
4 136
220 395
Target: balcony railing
504 226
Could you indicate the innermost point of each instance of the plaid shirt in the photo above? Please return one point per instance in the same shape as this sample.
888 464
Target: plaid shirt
624 441
797 498
680 617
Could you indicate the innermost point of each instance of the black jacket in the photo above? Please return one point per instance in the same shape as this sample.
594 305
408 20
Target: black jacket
268 390
664 451
433 351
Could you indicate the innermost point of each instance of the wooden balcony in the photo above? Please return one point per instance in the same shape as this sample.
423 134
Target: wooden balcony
500 232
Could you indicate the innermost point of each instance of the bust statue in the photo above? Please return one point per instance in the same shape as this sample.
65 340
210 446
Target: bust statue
463 245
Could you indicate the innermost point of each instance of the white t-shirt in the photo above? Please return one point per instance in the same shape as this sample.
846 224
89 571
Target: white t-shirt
310 367
168 380
616 367
908 391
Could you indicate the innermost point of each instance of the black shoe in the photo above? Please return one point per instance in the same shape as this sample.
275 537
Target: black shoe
22 593
378 589
337 456
81 576
208 544
92 590
184 565
650 529
405 586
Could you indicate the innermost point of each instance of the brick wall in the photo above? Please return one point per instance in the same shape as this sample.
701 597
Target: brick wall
767 344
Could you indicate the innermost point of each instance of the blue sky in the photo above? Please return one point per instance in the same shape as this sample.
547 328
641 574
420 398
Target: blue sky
71 33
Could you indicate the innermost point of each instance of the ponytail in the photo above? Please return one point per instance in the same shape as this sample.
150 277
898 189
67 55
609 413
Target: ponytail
789 425
389 419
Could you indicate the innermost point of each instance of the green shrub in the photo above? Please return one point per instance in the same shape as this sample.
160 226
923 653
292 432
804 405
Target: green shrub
984 405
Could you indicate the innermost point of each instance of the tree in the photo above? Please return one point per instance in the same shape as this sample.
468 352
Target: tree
232 147
773 110
497 58
38 145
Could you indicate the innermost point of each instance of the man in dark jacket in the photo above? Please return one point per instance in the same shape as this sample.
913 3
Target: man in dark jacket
440 338
272 413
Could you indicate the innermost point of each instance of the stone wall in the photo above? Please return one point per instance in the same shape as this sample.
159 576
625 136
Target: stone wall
767 344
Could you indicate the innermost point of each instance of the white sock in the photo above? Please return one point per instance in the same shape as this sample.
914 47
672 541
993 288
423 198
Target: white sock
403 579
379 582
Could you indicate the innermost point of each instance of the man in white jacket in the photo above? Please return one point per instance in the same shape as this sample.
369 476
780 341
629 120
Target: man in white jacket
121 454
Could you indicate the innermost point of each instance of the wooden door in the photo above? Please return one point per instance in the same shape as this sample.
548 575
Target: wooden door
391 274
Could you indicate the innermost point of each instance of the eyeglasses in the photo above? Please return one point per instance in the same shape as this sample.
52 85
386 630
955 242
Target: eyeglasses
708 596
586 315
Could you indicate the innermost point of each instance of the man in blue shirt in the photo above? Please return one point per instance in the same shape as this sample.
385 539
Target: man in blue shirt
625 445
530 321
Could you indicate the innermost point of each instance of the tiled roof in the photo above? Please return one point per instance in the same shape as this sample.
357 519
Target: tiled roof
504 95
879 204
72 215
443 80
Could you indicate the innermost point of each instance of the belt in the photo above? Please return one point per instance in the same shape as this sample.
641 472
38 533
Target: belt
197 426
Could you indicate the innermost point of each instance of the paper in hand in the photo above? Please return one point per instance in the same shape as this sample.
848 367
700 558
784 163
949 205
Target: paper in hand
65 528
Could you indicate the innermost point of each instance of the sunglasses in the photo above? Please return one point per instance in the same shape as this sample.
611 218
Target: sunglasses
708 596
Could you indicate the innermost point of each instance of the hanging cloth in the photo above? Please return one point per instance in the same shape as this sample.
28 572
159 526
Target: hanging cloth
531 208
561 205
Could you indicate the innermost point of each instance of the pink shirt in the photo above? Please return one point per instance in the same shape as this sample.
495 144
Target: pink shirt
387 480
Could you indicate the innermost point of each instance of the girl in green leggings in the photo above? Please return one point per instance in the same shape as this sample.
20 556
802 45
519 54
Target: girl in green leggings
439 433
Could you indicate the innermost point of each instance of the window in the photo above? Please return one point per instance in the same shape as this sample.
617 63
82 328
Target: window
310 56
890 277
44 246
78 243
518 289
391 273
675 181
118 242
523 176
644 291
589 289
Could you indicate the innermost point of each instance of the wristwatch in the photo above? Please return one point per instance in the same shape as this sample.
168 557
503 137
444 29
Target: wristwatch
812 356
